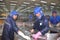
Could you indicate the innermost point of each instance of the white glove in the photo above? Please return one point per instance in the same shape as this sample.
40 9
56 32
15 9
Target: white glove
24 36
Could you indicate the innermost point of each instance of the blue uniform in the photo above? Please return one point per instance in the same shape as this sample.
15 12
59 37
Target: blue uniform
55 20
41 25
9 28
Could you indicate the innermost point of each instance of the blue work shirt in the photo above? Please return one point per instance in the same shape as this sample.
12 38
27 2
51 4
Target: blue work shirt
9 28
41 25
55 20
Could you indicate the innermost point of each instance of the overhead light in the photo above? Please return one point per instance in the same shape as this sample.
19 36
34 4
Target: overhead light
23 5
5 9
52 6
43 1
33 0
26 3
14 1
1 0
37 4
13 4
26 8
19 8
2 3
53 3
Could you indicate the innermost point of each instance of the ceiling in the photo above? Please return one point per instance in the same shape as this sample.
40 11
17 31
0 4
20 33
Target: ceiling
28 5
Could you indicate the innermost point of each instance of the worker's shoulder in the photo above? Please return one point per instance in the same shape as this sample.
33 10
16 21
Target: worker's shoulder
44 18
8 19
58 16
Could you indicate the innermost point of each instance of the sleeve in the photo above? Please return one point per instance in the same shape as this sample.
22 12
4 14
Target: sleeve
7 25
15 28
35 25
46 29
11 24
51 19
59 18
7 22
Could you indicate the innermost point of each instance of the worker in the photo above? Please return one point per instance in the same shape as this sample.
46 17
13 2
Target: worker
54 19
10 27
54 25
41 25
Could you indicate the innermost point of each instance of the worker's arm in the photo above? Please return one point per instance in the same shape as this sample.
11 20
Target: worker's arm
46 29
16 29
13 25
34 27
24 36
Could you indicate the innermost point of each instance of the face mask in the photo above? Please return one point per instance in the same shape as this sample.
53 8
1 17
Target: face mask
39 17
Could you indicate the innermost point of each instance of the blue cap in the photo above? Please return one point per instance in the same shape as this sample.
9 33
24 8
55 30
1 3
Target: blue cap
38 10
14 12
54 11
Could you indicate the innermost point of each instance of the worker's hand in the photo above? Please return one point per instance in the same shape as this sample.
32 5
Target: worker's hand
27 37
32 30
38 33
35 36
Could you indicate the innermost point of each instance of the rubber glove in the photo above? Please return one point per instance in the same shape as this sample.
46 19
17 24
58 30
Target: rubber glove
36 35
